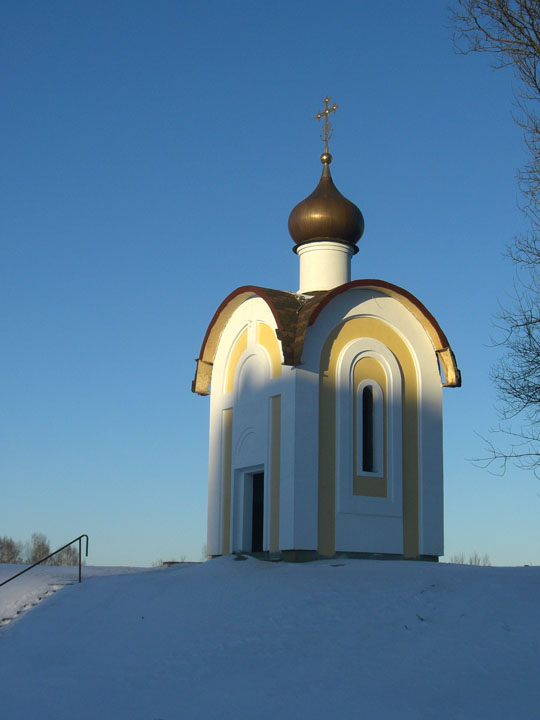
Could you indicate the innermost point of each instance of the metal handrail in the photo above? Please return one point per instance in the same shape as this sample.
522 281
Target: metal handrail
50 556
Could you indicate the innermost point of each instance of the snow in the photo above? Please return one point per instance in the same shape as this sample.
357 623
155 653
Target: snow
230 639
33 586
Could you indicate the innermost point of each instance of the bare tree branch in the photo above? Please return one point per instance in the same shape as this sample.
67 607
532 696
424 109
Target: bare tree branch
510 31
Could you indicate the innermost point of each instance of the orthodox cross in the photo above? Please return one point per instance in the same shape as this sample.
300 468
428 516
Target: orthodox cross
327 128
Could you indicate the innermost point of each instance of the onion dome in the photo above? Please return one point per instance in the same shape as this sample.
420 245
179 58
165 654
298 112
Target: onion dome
326 214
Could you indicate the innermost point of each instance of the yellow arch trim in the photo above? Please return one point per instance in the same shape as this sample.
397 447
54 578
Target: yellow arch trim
266 338
284 306
239 347
368 368
452 375
340 337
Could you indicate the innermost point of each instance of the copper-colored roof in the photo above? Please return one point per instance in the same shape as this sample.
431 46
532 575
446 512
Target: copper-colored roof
295 313
326 215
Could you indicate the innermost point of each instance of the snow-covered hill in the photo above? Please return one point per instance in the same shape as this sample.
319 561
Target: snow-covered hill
230 639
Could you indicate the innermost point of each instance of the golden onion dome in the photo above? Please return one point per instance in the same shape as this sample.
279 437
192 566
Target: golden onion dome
326 214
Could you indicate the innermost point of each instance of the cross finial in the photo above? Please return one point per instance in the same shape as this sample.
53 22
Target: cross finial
327 128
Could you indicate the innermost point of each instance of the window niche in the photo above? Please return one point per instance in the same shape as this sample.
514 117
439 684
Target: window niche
369 429
368 362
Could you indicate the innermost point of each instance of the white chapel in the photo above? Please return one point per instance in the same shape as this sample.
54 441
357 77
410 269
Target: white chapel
325 404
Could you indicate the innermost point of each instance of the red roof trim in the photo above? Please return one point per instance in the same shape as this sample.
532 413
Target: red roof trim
384 286
263 293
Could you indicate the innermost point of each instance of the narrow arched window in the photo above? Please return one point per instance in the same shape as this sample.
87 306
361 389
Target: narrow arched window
367 429
370 429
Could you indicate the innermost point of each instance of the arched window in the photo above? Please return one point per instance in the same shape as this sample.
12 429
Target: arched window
370 429
367 429
359 490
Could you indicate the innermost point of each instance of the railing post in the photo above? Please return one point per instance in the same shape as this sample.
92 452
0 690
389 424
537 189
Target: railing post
80 540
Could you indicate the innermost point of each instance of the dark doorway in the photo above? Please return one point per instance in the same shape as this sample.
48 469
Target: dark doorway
258 513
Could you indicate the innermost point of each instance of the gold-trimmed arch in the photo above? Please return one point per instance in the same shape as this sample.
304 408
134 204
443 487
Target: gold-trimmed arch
340 336
294 314
237 350
284 306
266 338
452 374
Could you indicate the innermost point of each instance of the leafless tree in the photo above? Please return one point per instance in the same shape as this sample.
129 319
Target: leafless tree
67 556
37 548
474 559
510 31
10 551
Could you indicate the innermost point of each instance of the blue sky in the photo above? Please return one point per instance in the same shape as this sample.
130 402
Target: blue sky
152 153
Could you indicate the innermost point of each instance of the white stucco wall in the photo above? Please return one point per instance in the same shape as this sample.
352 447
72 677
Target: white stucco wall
358 530
250 401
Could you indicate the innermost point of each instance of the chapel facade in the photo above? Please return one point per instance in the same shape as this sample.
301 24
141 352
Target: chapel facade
325 404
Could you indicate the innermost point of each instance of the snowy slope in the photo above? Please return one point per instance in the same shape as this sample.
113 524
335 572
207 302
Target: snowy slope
32 587
229 639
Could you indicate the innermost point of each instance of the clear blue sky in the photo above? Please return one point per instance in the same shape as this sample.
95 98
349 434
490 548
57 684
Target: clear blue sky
151 154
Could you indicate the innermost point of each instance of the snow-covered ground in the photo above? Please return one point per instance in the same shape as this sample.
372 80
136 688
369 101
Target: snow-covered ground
247 639
37 584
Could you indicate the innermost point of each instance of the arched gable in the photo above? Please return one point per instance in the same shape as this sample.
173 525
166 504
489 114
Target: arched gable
284 307
452 375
